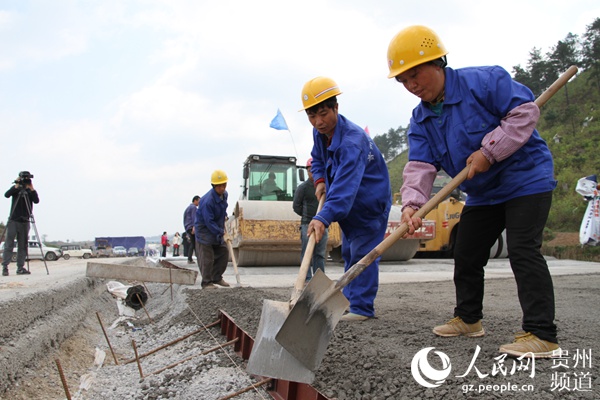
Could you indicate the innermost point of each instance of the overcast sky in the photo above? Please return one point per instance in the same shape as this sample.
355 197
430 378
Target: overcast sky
122 109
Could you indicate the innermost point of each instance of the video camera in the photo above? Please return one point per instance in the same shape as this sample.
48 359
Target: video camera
25 178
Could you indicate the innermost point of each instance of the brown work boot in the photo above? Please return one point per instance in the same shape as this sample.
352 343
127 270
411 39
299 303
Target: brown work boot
528 345
209 286
457 327
222 283
353 317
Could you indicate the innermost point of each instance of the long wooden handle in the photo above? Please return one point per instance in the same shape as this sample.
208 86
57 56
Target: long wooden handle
308 253
438 198
233 261
555 87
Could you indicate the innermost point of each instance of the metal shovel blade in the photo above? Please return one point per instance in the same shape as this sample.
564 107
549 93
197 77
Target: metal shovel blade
306 332
268 358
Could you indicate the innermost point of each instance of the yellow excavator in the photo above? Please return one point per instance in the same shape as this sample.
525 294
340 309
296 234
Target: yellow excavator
265 230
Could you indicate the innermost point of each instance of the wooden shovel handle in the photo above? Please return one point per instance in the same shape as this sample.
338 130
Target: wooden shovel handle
367 260
555 87
308 253
233 260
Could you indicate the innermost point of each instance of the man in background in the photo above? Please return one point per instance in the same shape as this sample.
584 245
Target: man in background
211 252
306 205
189 241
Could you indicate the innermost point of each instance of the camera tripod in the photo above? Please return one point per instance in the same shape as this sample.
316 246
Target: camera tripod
23 196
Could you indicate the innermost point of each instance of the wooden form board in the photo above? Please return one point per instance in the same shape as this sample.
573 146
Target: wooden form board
142 274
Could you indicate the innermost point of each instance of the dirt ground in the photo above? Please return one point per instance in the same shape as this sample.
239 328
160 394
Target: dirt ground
369 360
564 239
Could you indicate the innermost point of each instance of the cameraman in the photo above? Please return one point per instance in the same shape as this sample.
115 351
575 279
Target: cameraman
23 196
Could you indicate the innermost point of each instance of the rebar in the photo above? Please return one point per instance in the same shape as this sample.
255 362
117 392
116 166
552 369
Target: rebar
137 358
62 378
144 307
195 355
106 337
247 389
174 341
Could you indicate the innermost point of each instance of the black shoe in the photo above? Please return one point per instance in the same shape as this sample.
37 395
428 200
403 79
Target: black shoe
5 271
23 271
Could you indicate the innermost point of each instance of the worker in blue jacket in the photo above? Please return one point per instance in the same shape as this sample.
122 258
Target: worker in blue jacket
211 251
350 171
479 116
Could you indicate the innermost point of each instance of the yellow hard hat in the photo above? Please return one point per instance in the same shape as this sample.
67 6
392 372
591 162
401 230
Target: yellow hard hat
218 177
412 46
318 90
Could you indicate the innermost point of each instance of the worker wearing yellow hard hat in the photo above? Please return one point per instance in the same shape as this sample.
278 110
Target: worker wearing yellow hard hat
209 226
218 177
481 117
318 90
350 171
413 46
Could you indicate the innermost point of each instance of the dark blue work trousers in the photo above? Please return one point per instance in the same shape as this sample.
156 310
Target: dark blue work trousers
212 262
361 292
19 231
524 219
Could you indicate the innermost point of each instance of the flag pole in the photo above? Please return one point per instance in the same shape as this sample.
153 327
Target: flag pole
292 136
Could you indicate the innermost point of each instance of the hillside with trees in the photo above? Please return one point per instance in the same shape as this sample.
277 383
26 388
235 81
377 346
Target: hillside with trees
569 122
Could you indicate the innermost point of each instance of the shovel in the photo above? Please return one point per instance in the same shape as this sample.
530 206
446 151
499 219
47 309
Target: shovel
268 358
232 254
306 332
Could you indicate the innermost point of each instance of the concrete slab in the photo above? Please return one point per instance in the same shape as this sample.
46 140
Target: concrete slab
142 274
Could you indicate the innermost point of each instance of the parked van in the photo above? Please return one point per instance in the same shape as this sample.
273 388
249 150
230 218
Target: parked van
75 250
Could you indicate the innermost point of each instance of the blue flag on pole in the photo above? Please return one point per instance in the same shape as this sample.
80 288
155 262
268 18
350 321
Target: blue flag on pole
279 122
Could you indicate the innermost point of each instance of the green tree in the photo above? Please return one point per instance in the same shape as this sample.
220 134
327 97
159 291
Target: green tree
522 75
383 144
542 72
591 51
565 53
391 143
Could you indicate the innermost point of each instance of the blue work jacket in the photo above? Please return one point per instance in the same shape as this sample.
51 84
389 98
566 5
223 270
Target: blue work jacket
476 100
356 179
210 218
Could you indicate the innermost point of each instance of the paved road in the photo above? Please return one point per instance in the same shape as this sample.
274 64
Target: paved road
416 270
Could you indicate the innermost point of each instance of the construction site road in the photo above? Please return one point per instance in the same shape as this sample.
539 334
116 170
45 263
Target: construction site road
51 316
414 270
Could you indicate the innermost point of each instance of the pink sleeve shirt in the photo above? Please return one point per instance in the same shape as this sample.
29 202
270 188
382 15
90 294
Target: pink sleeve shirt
514 131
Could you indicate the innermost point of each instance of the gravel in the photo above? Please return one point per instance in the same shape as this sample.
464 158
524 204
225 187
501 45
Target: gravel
364 361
